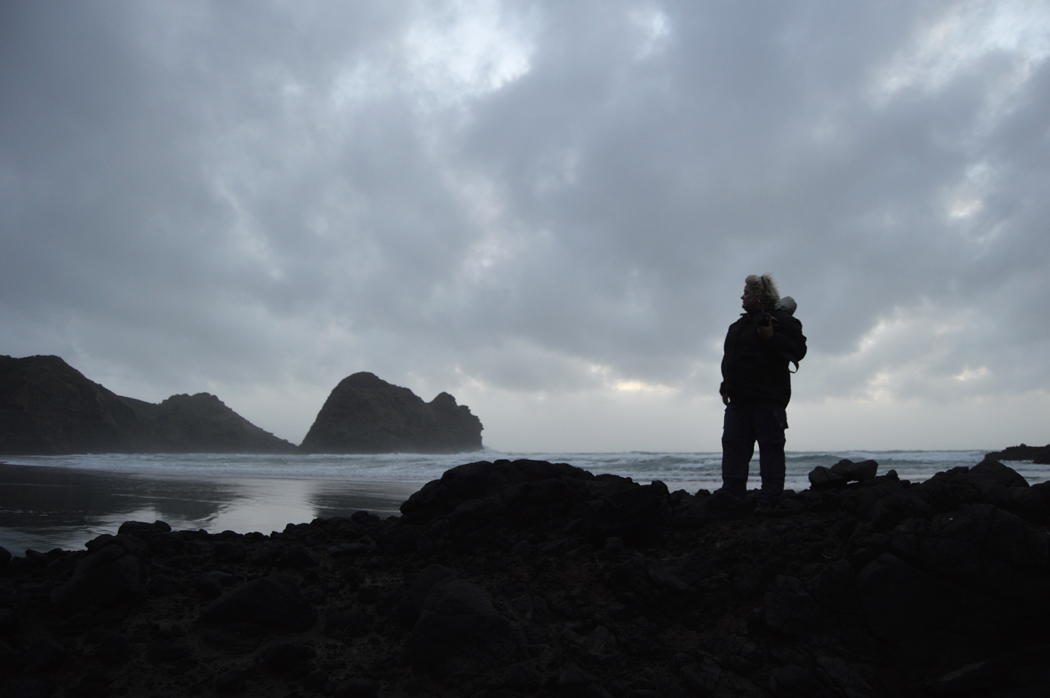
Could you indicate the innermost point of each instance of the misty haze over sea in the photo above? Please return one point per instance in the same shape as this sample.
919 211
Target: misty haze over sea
63 501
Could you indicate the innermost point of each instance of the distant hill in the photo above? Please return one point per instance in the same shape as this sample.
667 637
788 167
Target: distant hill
47 407
365 414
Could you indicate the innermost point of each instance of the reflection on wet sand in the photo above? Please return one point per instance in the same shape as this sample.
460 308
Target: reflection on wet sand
55 507
382 498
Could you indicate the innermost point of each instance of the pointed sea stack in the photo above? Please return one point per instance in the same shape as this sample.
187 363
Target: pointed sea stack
365 414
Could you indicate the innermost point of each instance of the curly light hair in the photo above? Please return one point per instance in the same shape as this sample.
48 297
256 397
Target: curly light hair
765 288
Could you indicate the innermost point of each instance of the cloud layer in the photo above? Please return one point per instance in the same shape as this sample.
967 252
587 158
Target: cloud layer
545 208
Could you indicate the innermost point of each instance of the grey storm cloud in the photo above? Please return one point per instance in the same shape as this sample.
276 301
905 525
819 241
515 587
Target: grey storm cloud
521 201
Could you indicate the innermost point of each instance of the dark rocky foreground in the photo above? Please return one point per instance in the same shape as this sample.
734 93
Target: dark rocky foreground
539 579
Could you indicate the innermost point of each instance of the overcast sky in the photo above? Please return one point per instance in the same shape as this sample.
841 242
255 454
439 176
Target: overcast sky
546 209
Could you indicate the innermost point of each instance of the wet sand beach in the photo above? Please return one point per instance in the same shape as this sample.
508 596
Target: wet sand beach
42 508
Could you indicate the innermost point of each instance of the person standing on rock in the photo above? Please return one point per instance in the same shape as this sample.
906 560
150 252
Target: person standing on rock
756 387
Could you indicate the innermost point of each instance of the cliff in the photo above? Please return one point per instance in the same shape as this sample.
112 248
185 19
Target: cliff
365 414
47 407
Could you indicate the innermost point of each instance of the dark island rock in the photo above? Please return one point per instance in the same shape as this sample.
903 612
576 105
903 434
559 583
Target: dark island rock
201 423
47 407
365 414
1037 454
529 578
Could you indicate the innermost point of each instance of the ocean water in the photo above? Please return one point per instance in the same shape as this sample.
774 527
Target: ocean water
63 501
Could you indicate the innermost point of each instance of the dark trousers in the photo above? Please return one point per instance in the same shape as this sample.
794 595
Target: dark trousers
746 423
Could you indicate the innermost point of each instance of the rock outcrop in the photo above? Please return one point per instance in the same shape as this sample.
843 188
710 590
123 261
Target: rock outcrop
529 578
201 423
47 407
365 414
1037 454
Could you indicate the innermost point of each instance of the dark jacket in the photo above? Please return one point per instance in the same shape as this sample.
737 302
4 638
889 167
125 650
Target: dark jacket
756 369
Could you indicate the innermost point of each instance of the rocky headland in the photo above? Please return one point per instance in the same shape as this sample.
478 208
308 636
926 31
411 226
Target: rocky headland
530 578
365 414
47 407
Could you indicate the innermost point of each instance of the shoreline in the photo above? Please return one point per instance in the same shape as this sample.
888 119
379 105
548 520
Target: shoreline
79 497
44 507
532 578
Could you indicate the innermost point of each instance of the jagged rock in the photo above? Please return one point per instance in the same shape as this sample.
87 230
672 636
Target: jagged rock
365 414
47 407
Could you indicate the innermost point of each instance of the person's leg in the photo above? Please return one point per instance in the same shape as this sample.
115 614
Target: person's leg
770 421
738 446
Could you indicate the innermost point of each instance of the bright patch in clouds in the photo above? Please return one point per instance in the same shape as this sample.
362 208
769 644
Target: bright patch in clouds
654 29
640 387
465 50
972 374
966 33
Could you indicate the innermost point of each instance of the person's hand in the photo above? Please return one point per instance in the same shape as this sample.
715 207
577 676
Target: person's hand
725 400
766 331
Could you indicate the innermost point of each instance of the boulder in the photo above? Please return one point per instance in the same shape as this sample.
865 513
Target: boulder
825 478
856 472
524 489
365 414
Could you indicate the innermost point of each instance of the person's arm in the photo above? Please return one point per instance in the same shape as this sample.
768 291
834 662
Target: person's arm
788 339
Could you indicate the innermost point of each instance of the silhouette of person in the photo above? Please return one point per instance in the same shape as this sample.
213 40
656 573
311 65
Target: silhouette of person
756 387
